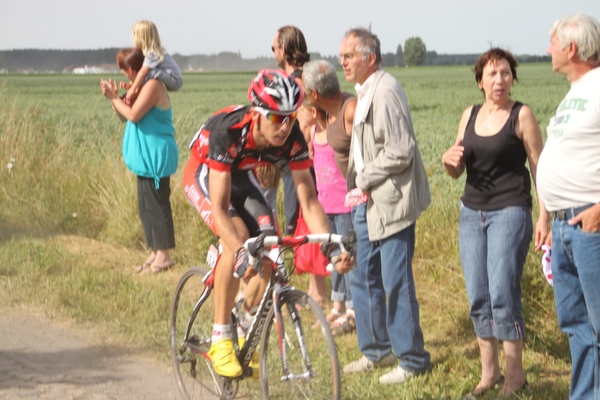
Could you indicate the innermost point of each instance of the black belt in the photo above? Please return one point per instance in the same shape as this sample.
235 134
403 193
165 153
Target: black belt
568 213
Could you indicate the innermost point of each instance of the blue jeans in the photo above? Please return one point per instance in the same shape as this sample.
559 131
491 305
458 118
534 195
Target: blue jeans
340 283
576 276
383 270
493 247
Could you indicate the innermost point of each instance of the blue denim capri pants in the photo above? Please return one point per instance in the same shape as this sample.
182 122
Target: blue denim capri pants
493 247
340 283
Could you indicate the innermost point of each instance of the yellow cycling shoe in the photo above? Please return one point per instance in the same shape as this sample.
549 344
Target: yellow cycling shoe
224 360
254 362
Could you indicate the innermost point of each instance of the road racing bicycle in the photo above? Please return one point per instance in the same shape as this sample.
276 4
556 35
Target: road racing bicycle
298 355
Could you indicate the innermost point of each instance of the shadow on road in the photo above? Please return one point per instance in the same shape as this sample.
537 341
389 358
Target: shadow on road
80 366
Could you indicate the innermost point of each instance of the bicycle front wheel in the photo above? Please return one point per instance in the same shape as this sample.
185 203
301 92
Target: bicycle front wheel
193 370
306 365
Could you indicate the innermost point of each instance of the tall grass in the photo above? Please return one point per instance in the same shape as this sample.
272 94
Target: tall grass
70 230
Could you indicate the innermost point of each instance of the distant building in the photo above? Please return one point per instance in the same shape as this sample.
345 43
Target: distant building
111 68
104 68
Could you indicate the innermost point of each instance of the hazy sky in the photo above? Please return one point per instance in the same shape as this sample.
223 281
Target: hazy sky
248 26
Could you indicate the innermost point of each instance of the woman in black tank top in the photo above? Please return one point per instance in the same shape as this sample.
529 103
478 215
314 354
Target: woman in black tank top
494 141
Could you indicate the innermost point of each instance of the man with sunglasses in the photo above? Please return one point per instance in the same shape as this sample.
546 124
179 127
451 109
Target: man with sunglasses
291 52
220 182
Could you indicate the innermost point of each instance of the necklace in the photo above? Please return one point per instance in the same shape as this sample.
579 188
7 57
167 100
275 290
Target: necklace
485 120
492 121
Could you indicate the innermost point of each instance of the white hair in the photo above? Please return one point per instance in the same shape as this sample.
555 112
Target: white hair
320 76
582 30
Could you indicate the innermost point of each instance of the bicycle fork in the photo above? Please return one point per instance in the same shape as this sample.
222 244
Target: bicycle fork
283 337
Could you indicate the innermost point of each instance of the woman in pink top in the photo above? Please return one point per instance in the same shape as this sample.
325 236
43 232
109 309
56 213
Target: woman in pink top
331 188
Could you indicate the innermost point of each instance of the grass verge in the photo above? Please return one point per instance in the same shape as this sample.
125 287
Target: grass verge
93 283
70 232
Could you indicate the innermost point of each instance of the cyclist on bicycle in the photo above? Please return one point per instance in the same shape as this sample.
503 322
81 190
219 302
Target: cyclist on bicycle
219 180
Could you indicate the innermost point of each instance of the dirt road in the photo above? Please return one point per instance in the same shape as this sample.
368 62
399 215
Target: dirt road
46 359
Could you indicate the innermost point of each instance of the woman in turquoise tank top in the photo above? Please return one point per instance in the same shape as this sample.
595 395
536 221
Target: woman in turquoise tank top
150 152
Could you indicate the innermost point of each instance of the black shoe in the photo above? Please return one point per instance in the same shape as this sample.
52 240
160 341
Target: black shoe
472 396
525 388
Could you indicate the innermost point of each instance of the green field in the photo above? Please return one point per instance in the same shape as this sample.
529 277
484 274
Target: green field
70 229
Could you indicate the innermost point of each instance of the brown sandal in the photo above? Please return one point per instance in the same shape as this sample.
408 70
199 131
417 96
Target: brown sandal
343 326
157 269
141 268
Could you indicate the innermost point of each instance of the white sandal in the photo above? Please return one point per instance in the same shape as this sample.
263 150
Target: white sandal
332 316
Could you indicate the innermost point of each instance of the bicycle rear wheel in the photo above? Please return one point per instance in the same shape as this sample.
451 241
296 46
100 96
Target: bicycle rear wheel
314 375
193 370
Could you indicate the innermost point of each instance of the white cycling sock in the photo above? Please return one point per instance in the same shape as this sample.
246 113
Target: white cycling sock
246 319
221 332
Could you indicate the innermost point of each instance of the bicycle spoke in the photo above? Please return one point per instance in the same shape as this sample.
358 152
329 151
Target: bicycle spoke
195 376
312 369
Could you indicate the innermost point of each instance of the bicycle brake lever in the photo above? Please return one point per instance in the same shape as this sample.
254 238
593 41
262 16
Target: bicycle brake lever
256 247
348 244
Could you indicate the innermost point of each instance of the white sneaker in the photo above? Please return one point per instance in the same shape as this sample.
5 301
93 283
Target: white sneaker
363 364
397 375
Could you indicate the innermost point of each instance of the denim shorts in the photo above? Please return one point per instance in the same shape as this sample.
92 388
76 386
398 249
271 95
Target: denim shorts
493 247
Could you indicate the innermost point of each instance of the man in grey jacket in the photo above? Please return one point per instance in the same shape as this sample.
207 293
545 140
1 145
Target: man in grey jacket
386 166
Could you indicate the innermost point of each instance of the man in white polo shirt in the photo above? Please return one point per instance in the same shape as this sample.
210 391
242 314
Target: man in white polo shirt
569 183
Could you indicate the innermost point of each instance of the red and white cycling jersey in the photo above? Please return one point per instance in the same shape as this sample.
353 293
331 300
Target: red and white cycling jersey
225 143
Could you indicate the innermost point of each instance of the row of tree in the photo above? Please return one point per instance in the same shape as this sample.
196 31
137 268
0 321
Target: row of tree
413 53
54 60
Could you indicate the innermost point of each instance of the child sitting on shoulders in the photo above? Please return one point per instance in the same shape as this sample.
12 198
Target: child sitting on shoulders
158 64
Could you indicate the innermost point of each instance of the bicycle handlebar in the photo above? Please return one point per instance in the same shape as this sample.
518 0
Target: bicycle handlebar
288 241
255 245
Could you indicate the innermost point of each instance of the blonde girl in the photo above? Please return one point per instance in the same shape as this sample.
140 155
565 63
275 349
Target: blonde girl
157 63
